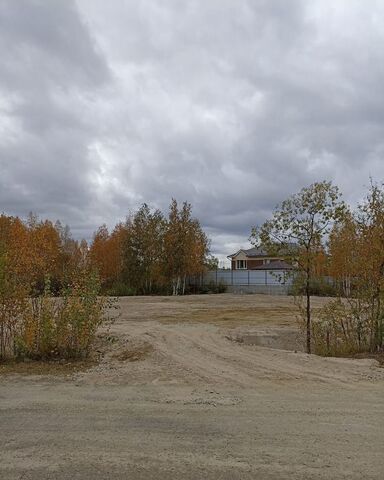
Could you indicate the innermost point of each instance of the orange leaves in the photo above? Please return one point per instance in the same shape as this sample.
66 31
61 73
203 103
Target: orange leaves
32 249
356 247
37 261
44 250
106 252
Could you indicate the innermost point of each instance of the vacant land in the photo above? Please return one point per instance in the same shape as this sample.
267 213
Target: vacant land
199 387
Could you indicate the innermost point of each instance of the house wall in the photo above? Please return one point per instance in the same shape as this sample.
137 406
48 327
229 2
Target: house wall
251 261
254 263
240 256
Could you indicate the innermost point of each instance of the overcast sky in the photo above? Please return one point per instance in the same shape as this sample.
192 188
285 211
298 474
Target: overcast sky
229 104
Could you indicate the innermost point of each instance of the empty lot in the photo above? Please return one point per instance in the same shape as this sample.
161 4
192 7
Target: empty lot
175 394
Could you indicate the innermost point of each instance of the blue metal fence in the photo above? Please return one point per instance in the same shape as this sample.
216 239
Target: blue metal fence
244 277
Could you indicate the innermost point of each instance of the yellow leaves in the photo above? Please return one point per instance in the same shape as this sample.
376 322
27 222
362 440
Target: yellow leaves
356 248
106 252
32 322
32 250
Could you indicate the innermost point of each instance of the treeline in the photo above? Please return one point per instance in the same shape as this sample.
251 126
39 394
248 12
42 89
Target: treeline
51 285
150 253
34 249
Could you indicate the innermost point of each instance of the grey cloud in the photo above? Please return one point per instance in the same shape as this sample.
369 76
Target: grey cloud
47 44
49 73
231 105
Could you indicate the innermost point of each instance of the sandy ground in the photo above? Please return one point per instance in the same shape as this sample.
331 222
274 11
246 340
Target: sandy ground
179 393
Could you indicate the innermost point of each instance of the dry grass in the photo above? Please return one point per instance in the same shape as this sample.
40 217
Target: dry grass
56 368
224 310
233 317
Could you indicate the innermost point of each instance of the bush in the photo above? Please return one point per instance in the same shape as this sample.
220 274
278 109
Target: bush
61 327
320 287
120 289
13 304
221 287
212 287
341 330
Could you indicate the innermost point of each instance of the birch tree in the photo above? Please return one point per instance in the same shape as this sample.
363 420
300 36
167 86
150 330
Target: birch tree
143 250
186 246
354 322
296 232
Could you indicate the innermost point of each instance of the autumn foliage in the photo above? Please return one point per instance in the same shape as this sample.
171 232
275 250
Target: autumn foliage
150 253
354 322
330 245
49 303
50 284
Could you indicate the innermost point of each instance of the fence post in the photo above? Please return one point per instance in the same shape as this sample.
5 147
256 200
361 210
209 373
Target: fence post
232 276
248 277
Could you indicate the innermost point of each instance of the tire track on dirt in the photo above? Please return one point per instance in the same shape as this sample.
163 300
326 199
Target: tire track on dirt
214 359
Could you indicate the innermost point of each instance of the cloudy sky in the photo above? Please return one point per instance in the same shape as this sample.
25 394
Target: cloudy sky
229 104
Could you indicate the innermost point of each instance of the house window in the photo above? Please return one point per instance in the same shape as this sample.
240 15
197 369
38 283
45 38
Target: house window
241 264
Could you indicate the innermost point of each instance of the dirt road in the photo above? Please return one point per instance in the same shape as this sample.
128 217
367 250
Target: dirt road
176 395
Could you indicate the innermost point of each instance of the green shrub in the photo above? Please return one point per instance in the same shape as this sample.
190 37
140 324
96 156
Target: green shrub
120 289
320 287
221 287
212 287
